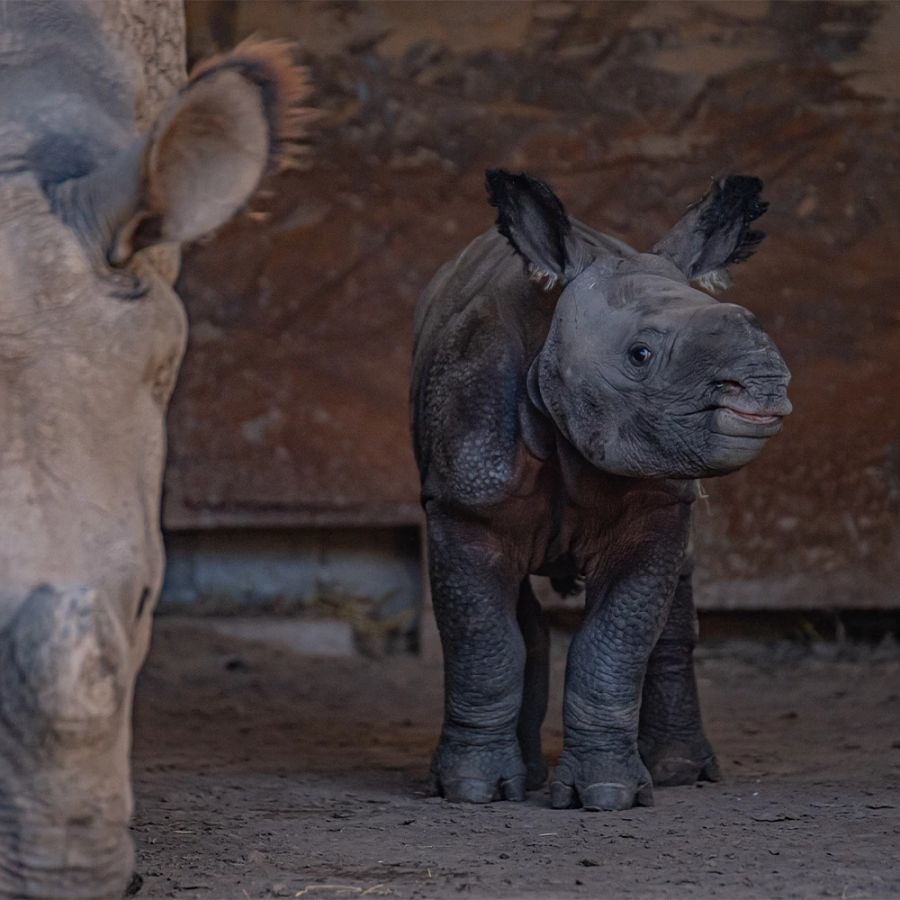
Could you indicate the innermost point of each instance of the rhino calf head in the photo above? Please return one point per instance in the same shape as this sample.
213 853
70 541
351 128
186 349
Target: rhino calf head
644 374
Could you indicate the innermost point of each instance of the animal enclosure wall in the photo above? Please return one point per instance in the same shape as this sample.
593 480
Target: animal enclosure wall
291 407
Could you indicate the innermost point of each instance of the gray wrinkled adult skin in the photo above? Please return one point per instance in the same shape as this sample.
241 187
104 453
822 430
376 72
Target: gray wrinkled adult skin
100 156
567 390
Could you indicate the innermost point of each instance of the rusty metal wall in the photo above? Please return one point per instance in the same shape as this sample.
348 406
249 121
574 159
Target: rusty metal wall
291 408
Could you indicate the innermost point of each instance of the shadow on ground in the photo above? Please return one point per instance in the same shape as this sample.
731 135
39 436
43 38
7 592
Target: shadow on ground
261 773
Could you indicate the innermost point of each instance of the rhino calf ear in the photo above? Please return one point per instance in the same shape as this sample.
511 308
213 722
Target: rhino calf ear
716 232
208 150
532 218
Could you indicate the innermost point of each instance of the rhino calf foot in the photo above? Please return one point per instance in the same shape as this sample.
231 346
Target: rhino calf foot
675 763
597 780
465 773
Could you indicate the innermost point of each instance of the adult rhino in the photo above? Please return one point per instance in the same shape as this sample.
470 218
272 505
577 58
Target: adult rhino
107 163
567 390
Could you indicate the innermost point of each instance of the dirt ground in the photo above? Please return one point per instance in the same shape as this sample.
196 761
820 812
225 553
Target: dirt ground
262 773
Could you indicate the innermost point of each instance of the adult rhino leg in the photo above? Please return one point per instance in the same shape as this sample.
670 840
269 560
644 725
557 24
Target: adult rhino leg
536 684
672 742
66 680
600 767
475 592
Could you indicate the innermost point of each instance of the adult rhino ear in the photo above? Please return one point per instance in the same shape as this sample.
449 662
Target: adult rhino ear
208 150
716 232
234 120
532 218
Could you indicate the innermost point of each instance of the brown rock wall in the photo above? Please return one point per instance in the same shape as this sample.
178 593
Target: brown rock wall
291 407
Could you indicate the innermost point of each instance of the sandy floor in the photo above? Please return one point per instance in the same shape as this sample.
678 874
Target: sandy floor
260 773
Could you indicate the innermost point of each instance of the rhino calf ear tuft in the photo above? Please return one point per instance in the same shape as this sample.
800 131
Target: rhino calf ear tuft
532 218
735 201
716 232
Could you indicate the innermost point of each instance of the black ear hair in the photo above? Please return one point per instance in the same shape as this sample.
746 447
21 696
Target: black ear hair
716 232
734 203
532 218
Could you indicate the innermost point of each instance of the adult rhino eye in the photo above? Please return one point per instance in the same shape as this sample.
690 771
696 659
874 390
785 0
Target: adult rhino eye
640 354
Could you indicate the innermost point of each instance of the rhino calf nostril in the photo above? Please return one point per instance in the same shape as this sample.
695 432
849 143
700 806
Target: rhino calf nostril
731 387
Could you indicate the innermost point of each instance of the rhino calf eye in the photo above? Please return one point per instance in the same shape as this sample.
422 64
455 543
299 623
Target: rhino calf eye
640 354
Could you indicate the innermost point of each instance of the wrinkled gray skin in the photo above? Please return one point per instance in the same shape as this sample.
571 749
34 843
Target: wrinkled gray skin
99 155
566 392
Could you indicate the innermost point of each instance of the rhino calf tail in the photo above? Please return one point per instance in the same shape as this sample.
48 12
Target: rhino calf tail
65 695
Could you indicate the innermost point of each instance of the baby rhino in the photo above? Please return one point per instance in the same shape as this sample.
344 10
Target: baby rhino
567 390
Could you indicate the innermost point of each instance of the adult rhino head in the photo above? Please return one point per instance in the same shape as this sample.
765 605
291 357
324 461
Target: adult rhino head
106 165
645 375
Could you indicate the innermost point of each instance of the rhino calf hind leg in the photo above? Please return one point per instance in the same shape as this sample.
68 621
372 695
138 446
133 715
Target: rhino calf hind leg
66 676
475 593
672 741
536 684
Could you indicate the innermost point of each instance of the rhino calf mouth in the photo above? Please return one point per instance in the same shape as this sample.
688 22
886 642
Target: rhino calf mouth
733 422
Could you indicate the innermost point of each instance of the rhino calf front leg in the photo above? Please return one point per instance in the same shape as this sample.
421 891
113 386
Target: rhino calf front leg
672 741
600 766
475 592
